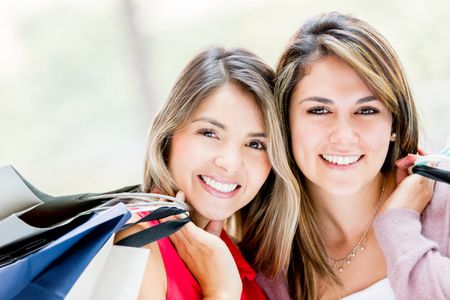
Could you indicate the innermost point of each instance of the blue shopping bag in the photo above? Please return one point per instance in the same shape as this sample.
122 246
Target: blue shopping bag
55 282
57 279
29 273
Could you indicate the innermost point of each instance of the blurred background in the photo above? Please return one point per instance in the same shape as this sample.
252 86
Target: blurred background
81 80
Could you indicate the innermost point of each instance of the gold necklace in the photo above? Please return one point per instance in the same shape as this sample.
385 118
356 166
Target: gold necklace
338 264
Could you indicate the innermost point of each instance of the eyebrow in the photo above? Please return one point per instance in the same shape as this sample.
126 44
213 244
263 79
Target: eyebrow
329 101
211 121
223 127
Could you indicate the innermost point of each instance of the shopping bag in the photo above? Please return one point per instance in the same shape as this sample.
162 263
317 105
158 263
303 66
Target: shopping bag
41 235
435 166
58 278
104 279
433 173
25 211
55 281
157 232
15 251
90 235
15 196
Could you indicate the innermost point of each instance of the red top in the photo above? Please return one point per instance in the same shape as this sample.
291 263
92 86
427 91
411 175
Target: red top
181 284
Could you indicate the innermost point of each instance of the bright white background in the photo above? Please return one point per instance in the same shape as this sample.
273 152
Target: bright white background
81 80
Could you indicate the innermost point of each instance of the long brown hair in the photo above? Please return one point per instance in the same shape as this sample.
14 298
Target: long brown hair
370 55
266 226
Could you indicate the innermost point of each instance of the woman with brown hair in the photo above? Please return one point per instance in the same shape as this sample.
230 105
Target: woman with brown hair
365 229
217 138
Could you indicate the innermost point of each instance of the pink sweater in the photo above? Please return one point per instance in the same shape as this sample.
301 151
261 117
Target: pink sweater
416 248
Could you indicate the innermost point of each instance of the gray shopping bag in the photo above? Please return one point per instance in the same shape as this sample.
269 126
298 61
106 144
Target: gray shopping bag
25 211
15 196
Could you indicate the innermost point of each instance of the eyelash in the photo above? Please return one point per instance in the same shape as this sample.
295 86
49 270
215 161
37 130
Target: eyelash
260 147
207 132
319 110
367 111
362 111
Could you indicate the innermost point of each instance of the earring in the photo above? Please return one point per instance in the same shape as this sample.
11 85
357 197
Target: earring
393 137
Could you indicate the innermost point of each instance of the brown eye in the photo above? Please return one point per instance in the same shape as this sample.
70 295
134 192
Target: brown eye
318 111
367 111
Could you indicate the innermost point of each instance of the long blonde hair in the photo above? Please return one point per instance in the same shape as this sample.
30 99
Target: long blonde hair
370 55
266 226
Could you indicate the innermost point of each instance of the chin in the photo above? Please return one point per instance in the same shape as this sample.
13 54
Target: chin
341 189
215 215
343 192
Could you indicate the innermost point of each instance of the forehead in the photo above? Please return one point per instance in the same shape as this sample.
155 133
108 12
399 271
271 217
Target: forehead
331 77
231 103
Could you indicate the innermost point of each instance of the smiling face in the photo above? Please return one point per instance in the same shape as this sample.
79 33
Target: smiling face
340 132
218 159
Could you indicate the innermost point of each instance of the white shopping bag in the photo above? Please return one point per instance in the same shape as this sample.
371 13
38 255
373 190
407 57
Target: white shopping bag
104 279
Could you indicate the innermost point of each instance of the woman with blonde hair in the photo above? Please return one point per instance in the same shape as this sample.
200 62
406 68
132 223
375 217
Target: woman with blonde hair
217 139
365 229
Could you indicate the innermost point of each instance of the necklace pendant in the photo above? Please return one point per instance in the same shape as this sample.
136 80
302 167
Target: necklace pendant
360 246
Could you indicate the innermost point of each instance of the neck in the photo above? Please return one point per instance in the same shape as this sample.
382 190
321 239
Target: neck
199 220
344 219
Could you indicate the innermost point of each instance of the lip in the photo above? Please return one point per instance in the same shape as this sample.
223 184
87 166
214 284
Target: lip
221 180
218 193
341 167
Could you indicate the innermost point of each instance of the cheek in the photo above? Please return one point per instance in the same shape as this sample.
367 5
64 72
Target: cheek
265 168
258 171
183 156
378 135
304 142
382 146
174 164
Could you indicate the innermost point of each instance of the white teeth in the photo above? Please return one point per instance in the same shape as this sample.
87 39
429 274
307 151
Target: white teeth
341 160
221 187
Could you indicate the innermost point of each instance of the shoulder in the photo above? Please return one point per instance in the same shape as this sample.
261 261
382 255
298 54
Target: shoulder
438 209
441 194
275 288
436 216
441 191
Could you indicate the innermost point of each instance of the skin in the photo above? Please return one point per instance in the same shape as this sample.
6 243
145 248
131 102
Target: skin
223 140
333 113
209 259
420 187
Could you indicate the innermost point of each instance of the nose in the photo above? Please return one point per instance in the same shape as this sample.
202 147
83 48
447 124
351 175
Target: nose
229 159
344 132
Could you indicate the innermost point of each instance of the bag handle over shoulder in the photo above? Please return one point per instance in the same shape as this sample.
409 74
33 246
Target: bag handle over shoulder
157 232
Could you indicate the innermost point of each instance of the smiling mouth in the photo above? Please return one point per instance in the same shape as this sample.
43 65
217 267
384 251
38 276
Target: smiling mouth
219 186
341 160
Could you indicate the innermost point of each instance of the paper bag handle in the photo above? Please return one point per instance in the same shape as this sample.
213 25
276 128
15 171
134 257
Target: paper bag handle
157 232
